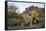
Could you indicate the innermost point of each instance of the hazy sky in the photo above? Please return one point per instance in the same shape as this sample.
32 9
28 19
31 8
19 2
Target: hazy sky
21 6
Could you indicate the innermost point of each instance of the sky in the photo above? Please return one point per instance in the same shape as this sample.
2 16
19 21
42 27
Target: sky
21 6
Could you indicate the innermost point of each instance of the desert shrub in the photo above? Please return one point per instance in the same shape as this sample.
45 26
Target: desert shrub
28 19
14 18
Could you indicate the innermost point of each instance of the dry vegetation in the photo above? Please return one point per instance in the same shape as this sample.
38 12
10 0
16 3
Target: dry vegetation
15 19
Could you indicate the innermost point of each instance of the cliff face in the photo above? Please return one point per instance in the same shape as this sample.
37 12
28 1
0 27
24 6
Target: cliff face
41 11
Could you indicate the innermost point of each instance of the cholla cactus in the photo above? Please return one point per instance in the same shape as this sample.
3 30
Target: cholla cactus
28 19
34 15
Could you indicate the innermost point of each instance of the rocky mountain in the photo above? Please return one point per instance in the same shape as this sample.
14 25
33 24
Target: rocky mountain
41 11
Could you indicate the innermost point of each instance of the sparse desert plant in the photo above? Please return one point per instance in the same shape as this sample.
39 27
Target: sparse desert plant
28 19
14 18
